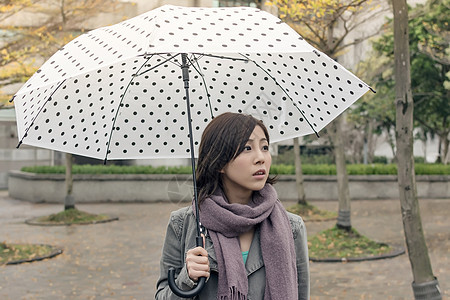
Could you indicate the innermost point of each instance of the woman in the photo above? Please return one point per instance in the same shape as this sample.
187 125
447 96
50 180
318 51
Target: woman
254 249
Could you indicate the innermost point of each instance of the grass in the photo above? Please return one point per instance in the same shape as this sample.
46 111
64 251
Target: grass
71 216
311 213
341 244
22 252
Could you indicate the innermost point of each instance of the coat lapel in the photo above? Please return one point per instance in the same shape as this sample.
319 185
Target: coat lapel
255 260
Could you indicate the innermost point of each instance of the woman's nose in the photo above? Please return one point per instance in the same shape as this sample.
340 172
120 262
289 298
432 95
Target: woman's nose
259 157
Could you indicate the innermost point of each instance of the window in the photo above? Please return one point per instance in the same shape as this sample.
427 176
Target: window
230 3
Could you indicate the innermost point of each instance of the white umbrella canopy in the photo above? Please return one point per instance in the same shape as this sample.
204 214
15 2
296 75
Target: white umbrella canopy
117 92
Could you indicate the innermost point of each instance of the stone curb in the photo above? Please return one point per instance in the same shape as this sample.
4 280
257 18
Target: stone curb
319 220
35 222
55 252
396 252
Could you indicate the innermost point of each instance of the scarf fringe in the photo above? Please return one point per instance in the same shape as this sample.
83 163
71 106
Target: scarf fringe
235 294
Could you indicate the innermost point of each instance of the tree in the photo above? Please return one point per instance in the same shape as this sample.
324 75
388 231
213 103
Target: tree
326 24
432 40
375 113
412 224
69 200
429 40
301 196
13 68
37 29
55 23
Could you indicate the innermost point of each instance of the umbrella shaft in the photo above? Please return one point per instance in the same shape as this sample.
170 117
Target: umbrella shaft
185 71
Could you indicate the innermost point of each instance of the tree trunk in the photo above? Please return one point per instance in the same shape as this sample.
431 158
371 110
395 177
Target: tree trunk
69 201
445 150
438 159
424 145
299 174
391 141
344 213
425 285
343 221
370 142
365 150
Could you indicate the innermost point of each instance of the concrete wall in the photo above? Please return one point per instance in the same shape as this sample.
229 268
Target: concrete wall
12 158
175 188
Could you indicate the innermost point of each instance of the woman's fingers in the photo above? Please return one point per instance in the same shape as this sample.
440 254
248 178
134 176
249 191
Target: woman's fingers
198 251
197 263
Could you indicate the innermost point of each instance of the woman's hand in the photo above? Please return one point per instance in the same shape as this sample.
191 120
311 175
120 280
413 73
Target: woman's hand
197 263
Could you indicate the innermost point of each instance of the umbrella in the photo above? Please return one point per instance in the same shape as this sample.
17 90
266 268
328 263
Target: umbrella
123 91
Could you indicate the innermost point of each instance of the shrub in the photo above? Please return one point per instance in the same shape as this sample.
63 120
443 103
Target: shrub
419 159
108 169
380 160
280 169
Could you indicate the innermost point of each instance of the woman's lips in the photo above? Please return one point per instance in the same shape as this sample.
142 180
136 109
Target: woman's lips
261 173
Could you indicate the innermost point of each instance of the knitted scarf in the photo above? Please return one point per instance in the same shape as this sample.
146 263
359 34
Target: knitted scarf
225 222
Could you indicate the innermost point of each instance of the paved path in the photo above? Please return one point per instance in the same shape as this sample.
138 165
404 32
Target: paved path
120 260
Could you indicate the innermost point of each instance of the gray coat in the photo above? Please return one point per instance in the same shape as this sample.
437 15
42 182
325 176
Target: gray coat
180 237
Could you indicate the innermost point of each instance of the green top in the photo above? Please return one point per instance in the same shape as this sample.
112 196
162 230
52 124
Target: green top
244 256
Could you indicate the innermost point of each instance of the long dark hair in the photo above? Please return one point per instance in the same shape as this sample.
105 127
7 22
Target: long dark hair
222 141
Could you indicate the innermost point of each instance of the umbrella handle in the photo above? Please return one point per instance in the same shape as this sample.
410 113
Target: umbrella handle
181 293
200 284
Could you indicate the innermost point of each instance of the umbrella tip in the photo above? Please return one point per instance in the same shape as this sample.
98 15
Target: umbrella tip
373 91
18 145
12 99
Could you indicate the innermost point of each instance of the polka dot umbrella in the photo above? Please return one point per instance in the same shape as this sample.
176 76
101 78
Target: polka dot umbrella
148 86
117 92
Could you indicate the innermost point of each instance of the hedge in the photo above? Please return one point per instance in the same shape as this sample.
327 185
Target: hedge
361 169
108 169
280 169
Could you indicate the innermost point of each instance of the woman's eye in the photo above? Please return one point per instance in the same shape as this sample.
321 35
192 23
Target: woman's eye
266 148
248 148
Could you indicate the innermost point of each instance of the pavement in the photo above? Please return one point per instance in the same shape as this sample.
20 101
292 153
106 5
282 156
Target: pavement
120 259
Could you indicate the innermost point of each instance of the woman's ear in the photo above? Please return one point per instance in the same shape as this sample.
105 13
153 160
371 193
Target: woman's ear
222 171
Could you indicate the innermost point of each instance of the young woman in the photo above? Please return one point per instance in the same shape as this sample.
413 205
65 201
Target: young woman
254 249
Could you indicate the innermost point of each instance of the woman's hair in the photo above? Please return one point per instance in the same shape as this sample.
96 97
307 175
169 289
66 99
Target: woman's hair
222 141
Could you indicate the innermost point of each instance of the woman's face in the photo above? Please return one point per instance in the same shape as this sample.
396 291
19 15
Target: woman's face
249 171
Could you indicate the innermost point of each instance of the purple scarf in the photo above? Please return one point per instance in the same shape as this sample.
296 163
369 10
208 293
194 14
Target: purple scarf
225 222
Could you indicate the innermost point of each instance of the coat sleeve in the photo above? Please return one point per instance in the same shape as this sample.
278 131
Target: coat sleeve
302 260
173 253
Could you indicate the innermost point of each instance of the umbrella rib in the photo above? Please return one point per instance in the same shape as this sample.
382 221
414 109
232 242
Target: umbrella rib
224 57
163 62
204 82
285 92
32 122
172 62
118 108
